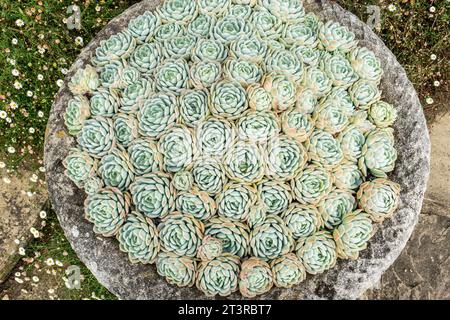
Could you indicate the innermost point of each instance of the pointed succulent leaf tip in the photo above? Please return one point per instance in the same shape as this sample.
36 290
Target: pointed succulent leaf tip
379 198
107 210
210 248
219 276
179 271
287 271
352 235
233 234
317 252
139 238
255 278
181 234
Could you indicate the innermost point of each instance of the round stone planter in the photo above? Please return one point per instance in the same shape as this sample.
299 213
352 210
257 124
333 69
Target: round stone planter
348 280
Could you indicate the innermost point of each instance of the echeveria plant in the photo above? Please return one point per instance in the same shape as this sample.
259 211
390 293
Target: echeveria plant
236 144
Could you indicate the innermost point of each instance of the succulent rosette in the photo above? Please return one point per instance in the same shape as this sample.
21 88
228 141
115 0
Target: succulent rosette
157 115
107 210
93 185
134 95
77 112
379 198
204 74
214 137
177 11
176 147
282 89
341 98
244 163
125 129
255 278
144 156
259 99
334 206
286 10
299 34
306 101
249 49
146 57
213 7
266 25
257 215
271 238
153 195
193 107
308 55
230 28
364 93
317 81
201 26
183 180
275 196
111 75
297 125
360 120
97 136
317 253
287 271
378 153
218 276
236 201
209 50
233 234
227 99
139 238
325 149
180 234
302 220
336 37
84 81
285 158
79 167
115 170
244 72
179 46
118 46
330 117
284 61
209 175
258 126
382 114
172 76
338 69
348 176
312 184
104 103
366 64
210 248
179 271
129 76
241 11
196 203
168 30
352 235
352 141
143 27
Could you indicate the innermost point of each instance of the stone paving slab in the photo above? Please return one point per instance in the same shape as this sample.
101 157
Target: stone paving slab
18 213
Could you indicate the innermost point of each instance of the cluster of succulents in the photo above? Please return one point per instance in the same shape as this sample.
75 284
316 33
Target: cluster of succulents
236 144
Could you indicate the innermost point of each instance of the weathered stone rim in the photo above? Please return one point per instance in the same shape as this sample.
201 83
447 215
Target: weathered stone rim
348 280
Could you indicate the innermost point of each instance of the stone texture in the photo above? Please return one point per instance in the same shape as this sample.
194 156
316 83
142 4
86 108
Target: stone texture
423 269
18 213
348 280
